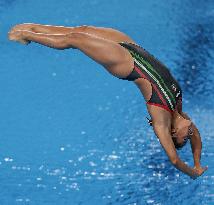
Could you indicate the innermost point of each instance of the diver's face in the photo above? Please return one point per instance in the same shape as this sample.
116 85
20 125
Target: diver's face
182 131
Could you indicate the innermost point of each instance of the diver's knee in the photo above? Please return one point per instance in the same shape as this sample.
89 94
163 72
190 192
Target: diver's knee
86 28
73 39
76 36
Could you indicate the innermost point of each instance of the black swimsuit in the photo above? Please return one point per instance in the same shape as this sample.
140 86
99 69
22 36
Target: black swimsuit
166 92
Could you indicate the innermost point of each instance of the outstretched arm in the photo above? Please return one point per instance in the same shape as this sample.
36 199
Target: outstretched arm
196 145
165 138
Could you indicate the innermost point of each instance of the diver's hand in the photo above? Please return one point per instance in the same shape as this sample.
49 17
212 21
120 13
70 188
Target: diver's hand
18 36
198 171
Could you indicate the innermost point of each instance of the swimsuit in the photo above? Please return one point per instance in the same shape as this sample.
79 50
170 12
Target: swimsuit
166 92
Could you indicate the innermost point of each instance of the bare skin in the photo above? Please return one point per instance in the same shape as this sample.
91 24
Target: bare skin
101 44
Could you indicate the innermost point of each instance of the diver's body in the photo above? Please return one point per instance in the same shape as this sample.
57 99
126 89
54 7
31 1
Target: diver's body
124 59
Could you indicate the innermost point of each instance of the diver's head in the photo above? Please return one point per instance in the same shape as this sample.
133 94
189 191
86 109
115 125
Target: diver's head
181 130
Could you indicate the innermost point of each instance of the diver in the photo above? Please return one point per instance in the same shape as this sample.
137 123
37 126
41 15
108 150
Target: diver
125 59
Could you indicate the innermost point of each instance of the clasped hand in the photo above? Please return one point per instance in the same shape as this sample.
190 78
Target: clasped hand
198 171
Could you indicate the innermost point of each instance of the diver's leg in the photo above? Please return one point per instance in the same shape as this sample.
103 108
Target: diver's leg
107 33
116 59
40 28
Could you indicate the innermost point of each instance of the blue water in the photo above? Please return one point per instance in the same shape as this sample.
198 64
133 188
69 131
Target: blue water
71 134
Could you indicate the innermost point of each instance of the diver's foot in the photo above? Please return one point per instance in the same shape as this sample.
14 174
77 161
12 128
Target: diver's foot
18 36
24 26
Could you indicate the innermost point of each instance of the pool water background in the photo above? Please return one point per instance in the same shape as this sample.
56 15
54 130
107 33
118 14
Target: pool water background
73 134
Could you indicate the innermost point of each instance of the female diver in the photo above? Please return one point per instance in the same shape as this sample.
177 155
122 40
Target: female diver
124 59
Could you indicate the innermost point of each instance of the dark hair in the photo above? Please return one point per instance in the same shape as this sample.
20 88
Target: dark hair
177 145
